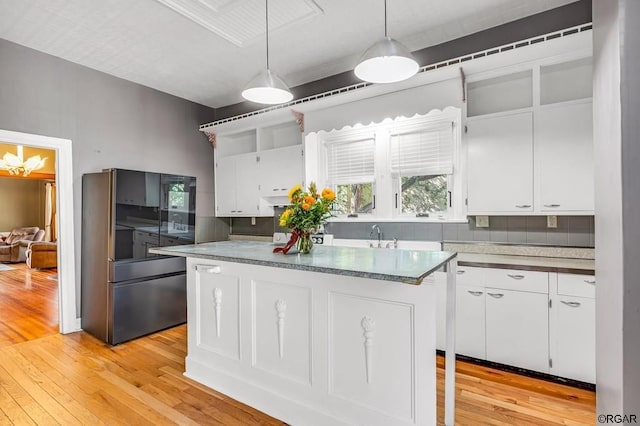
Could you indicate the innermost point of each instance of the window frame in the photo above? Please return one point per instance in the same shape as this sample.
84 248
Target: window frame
346 137
386 184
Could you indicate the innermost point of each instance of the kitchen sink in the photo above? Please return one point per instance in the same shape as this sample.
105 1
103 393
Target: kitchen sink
389 244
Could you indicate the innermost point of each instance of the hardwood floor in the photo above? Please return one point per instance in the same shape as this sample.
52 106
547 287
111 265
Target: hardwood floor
28 304
76 379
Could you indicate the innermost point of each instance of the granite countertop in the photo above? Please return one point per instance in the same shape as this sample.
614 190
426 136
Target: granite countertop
574 260
530 263
407 266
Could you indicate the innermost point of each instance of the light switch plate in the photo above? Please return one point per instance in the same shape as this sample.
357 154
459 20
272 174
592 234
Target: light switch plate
552 221
253 221
482 221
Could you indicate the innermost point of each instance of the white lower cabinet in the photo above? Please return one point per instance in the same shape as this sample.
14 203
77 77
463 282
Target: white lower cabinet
573 328
517 328
575 351
535 320
470 321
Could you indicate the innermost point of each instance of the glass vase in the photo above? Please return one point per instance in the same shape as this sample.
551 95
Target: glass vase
304 243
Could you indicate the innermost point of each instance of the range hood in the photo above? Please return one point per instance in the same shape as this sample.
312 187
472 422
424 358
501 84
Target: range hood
276 200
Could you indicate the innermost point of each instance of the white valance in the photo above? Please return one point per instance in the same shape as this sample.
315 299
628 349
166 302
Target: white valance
404 103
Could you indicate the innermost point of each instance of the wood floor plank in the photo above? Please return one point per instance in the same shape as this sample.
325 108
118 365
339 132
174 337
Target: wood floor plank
28 304
141 382
31 407
69 411
11 409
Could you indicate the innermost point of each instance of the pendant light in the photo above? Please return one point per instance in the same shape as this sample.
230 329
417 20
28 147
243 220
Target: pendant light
267 87
387 61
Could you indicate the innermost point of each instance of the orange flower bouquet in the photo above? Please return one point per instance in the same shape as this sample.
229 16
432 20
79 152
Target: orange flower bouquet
308 210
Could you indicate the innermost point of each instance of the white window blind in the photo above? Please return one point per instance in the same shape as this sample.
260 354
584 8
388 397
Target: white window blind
426 152
350 162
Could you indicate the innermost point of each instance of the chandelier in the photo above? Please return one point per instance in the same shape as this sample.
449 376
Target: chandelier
16 165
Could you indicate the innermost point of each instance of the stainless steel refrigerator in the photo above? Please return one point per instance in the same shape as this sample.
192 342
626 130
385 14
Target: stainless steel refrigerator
127 292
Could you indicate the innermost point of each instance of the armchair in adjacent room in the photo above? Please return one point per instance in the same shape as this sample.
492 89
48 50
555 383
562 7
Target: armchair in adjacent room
14 248
42 254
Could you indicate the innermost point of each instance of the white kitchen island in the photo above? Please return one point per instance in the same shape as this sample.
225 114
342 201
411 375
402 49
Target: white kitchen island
341 336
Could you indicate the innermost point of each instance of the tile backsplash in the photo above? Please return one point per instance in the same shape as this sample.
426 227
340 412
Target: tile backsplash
572 231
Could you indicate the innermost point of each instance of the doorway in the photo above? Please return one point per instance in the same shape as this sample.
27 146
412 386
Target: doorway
67 310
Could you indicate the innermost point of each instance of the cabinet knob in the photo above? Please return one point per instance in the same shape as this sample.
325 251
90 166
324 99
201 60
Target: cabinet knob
571 304
592 282
460 271
474 293
496 295
552 205
523 206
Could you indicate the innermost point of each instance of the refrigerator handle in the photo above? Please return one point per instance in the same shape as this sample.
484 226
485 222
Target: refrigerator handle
111 215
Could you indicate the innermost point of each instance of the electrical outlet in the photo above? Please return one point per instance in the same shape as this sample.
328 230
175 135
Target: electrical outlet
552 221
482 221
253 221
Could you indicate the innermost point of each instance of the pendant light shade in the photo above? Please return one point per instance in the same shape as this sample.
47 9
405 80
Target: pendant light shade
387 61
267 87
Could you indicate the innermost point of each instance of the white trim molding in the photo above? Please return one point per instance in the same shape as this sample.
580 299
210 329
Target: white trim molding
64 206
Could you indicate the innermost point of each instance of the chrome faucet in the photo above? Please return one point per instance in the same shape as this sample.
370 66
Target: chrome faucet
376 228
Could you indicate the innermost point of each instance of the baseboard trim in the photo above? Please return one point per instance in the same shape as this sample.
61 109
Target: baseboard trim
524 372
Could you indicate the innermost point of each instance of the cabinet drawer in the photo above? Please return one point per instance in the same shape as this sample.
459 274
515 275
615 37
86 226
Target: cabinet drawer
577 285
470 276
512 279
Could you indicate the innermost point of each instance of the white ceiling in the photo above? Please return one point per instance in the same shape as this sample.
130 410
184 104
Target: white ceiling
207 50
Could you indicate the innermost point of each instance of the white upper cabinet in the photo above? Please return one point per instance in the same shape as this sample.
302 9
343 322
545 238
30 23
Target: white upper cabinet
530 141
256 168
281 163
564 158
500 164
280 169
237 185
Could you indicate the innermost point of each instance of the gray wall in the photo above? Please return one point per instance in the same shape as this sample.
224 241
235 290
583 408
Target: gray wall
616 37
22 202
112 123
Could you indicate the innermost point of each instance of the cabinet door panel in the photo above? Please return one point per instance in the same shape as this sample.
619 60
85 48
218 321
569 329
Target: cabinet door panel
280 169
500 164
247 197
470 321
372 353
225 186
217 318
564 158
282 330
575 334
518 328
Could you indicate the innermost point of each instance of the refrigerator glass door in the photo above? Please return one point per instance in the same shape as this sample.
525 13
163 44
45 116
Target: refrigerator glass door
137 213
178 210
